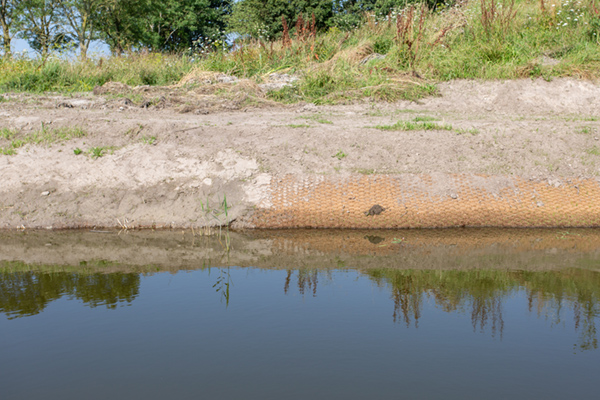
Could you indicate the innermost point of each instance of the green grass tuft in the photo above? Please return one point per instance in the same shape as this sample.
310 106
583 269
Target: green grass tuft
412 126
43 136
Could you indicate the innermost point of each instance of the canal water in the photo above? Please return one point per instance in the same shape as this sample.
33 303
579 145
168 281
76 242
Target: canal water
455 314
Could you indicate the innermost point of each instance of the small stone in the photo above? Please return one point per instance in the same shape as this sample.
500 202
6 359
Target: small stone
454 196
540 204
46 193
375 210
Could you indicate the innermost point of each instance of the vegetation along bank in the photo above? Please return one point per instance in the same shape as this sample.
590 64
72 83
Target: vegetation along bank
300 114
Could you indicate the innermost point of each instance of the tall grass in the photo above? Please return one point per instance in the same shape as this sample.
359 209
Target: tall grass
397 56
55 74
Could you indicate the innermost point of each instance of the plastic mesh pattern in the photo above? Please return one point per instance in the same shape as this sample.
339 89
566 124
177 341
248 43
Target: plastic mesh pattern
424 201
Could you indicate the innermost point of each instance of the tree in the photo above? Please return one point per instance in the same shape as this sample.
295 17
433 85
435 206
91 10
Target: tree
8 13
160 25
79 18
42 26
349 13
177 24
263 18
121 23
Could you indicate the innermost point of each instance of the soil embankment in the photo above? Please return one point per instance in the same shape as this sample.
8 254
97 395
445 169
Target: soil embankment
516 153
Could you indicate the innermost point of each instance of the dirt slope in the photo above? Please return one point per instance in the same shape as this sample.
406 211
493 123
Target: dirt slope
201 164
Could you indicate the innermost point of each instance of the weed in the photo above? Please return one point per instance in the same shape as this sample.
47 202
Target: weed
365 171
49 136
151 140
595 151
97 152
424 118
411 126
43 136
472 131
318 119
77 151
586 130
298 126
8 134
339 155
7 151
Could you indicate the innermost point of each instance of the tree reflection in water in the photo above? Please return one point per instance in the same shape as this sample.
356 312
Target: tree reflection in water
307 280
480 293
26 293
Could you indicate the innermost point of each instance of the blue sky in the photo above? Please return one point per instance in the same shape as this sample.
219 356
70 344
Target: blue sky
97 48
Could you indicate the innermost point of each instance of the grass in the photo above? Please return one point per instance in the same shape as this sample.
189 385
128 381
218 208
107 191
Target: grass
594 151
414 126
472 131
21 74
318 119
365 171
97 152
8 134
586 130
298 126
42 136
460 42
340 155
424 118
150 140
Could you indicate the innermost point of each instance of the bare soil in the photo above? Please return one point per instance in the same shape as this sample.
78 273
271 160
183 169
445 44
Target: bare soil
176 158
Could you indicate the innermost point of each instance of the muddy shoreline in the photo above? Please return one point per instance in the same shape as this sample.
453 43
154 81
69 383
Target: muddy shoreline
147 251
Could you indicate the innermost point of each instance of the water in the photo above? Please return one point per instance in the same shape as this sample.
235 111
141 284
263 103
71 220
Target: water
307 323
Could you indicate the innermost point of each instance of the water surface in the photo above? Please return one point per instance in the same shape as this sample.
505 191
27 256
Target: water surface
511 318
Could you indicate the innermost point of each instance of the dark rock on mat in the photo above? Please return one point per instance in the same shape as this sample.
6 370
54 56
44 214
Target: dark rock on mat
375 210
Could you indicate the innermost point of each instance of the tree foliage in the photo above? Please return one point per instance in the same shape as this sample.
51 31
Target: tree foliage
42 26
260 18
178 24
169 25
79 21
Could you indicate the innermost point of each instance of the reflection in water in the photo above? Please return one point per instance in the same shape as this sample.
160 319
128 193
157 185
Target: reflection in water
223 284
480 293
307 281
26 293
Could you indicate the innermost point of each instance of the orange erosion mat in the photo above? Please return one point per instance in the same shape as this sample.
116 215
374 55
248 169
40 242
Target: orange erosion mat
427 201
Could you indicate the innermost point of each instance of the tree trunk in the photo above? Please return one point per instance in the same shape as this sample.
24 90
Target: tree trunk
5 35
83 48
6 42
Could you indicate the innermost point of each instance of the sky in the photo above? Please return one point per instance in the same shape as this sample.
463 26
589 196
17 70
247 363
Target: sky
97 48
